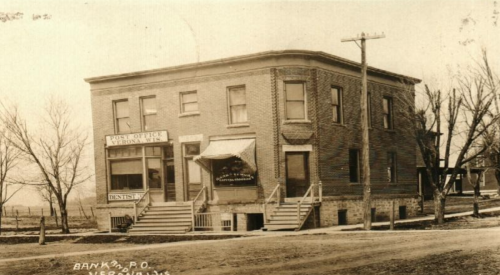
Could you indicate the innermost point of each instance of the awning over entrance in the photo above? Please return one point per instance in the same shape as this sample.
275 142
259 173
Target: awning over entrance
243 149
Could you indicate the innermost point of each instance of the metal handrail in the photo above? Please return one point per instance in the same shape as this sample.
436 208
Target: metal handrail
139 201
276 189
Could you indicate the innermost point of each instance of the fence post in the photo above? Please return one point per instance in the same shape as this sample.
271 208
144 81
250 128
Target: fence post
109 219
29 212
41 240
392 215
17 224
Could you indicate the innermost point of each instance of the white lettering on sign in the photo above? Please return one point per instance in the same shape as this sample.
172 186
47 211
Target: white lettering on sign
137 138
124 197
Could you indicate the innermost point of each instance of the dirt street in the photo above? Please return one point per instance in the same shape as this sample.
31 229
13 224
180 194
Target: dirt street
318 252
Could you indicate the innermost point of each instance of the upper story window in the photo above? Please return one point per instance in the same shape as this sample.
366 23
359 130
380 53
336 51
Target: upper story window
295 101
387 109
237 105
337 104
391 167
354 171
122 118
189 102
148 108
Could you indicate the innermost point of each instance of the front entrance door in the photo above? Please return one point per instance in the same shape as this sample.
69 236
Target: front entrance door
297 173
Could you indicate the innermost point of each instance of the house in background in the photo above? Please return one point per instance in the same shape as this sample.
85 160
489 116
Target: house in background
269 139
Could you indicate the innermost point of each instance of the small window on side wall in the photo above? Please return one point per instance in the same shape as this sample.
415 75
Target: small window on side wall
336 104
189 102
387 111
354 166
237 105
391 167
295 99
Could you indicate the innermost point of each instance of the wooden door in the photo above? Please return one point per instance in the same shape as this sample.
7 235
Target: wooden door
297 173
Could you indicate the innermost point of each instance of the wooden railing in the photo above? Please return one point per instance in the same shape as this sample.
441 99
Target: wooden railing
138 209
276 190
193 203
214 221
310 192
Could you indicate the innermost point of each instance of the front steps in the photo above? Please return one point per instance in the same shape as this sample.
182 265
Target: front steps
165 218
284 216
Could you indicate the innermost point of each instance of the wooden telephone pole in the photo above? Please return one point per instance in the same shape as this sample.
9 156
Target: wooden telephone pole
365 141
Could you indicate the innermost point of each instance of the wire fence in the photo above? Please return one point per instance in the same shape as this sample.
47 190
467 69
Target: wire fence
85 211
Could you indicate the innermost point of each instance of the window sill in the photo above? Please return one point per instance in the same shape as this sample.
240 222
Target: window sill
297 122
238 125
189 114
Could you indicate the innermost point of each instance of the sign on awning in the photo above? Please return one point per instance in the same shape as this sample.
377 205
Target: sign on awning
243 149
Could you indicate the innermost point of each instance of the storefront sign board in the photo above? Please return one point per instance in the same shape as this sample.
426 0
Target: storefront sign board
124 197
137 138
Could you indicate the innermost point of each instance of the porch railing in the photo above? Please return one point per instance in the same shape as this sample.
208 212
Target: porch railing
141 204
193 203
214 221
276 190
310 192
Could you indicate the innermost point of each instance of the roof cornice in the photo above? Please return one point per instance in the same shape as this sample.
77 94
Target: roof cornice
324 57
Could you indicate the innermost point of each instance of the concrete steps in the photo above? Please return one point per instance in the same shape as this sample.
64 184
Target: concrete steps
172 218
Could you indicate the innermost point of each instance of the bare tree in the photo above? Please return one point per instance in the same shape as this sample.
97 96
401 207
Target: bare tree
466 117
9 158
57 151
46 194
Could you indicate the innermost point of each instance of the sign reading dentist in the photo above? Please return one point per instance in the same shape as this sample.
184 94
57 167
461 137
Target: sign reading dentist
137 138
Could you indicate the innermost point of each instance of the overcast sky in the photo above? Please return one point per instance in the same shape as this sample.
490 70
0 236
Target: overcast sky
424 39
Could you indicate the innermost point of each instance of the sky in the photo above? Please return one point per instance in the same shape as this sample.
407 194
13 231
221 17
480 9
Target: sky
73 40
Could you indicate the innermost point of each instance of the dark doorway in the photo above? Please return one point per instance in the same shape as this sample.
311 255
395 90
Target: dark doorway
374 214
297 173
255 221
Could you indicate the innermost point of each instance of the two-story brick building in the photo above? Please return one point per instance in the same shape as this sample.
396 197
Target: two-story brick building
225 136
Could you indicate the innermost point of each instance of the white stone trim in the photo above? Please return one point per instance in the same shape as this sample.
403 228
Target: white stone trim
191 138
297 148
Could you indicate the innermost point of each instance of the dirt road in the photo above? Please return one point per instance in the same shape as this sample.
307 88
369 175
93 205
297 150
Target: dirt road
420 252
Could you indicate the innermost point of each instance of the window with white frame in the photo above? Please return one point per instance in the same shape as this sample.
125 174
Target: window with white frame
189 102
237 105
295 98
122 117
148 109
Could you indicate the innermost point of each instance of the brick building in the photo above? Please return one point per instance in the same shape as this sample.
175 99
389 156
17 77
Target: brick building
230 139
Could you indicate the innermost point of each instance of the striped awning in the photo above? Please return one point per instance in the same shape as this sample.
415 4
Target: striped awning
243 149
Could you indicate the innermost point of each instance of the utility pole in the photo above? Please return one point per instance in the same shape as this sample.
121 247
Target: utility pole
365 140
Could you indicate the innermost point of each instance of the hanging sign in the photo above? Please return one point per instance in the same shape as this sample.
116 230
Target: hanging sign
137 138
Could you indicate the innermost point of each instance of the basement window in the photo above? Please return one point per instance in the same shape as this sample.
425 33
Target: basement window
342 214
402 212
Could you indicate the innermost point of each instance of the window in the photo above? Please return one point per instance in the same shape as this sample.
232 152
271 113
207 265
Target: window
237 105
391 167
387 109
189 102
342 217
148 109
295 101
354 166
192 170
127 167
122 119
337 104
232 172
169 172
369 107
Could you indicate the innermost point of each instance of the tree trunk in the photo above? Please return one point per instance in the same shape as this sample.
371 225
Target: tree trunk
51 206
41 240
476 201
64 221
439 205
1 215
497 176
